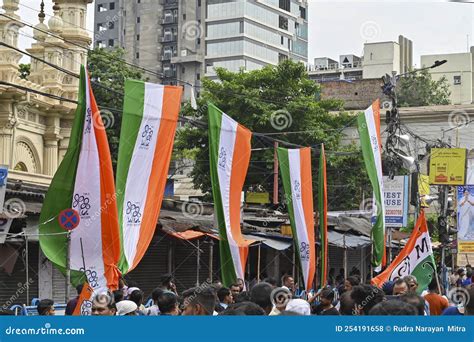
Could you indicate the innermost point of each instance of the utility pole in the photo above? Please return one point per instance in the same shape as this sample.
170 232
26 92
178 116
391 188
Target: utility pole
275 174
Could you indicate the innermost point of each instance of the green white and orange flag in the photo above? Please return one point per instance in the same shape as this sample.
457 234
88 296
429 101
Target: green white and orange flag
149 124
416 259
85 182
323 218
229 157
295 168
371 145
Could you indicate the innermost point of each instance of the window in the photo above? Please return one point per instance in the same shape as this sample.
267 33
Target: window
184 16
198 76
137 55
138 20
112 6
101 8
111 42
282 40
138 37
198 41
457 80
111 25
183 70
303 12
283 23
285 5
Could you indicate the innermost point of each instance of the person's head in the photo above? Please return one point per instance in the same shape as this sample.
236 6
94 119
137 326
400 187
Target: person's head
469 274
45 307
118 296
393 308
121 283
433 286
199 301
217 284
261 295
241 284
136 297
299 306
288 281
461 273
155 294
168 303
126 308
272 281
326 297
346 304
243 296
400 287
103 305
414 299
412 282
244 309
225 296
469 306
167 281
350 282
366 297
235 289
79 289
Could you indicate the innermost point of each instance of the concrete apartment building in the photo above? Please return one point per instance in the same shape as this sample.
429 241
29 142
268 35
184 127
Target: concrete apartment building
379 58
187 39
459 71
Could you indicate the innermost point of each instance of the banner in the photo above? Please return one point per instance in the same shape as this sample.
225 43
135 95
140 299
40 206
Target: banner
465 219
295 168
396 201
149 122
229 157
85 182
323 218
416 258
371 145
84 303
447 166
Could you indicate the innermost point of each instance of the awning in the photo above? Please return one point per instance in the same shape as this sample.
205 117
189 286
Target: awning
189 235
347 240
278 244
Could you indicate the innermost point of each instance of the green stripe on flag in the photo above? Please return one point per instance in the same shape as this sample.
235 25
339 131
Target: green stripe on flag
227 266
132 117
321 207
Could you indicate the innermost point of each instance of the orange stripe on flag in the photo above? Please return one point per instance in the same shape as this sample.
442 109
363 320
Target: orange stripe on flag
159 171
86 295
108 201
376 111
307 199
240 164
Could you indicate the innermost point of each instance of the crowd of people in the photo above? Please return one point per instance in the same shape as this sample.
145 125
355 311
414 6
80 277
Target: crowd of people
343 296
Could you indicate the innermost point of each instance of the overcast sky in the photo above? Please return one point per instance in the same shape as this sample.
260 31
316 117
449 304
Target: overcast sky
341 27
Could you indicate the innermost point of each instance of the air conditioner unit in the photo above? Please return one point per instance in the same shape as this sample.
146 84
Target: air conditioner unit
184 53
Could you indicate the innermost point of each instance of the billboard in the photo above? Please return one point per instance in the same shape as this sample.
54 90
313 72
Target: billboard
448 166
396 201
465 208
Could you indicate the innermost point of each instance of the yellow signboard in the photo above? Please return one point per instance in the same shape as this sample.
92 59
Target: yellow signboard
466 246
258 197
423 189
447 166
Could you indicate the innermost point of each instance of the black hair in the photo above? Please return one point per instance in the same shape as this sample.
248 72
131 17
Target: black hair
354 280
261 295
156 293
118 296
433 285
393 308
415 300
327 294
289 313
248 309
346 304
206 297
285 278
167 302
222 293
400 281
243 296
367 296
271 281
44 305
79 288
165 279
136 297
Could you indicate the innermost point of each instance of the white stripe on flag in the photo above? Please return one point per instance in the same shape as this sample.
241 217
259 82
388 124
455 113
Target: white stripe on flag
136 189
86 239
298 210
227 139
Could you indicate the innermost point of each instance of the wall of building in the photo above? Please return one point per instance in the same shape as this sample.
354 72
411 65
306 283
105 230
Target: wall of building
380 59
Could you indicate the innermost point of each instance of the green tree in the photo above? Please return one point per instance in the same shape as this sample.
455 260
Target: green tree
279 100
419 89
109 70
25 70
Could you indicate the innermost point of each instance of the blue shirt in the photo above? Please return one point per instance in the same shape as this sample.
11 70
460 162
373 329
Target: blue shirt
452 311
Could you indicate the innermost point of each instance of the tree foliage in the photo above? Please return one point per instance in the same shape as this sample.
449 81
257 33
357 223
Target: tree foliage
419 89
25 70
282 102
109 70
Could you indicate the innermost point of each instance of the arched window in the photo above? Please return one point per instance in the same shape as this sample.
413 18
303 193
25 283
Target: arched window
21 167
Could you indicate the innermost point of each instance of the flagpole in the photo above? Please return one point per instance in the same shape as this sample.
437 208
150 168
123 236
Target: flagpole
68 265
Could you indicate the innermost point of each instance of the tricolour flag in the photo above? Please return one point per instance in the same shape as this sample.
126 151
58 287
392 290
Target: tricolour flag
85 182
84 303
149 124
371 144
416 259
295 168
323 218
229 156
